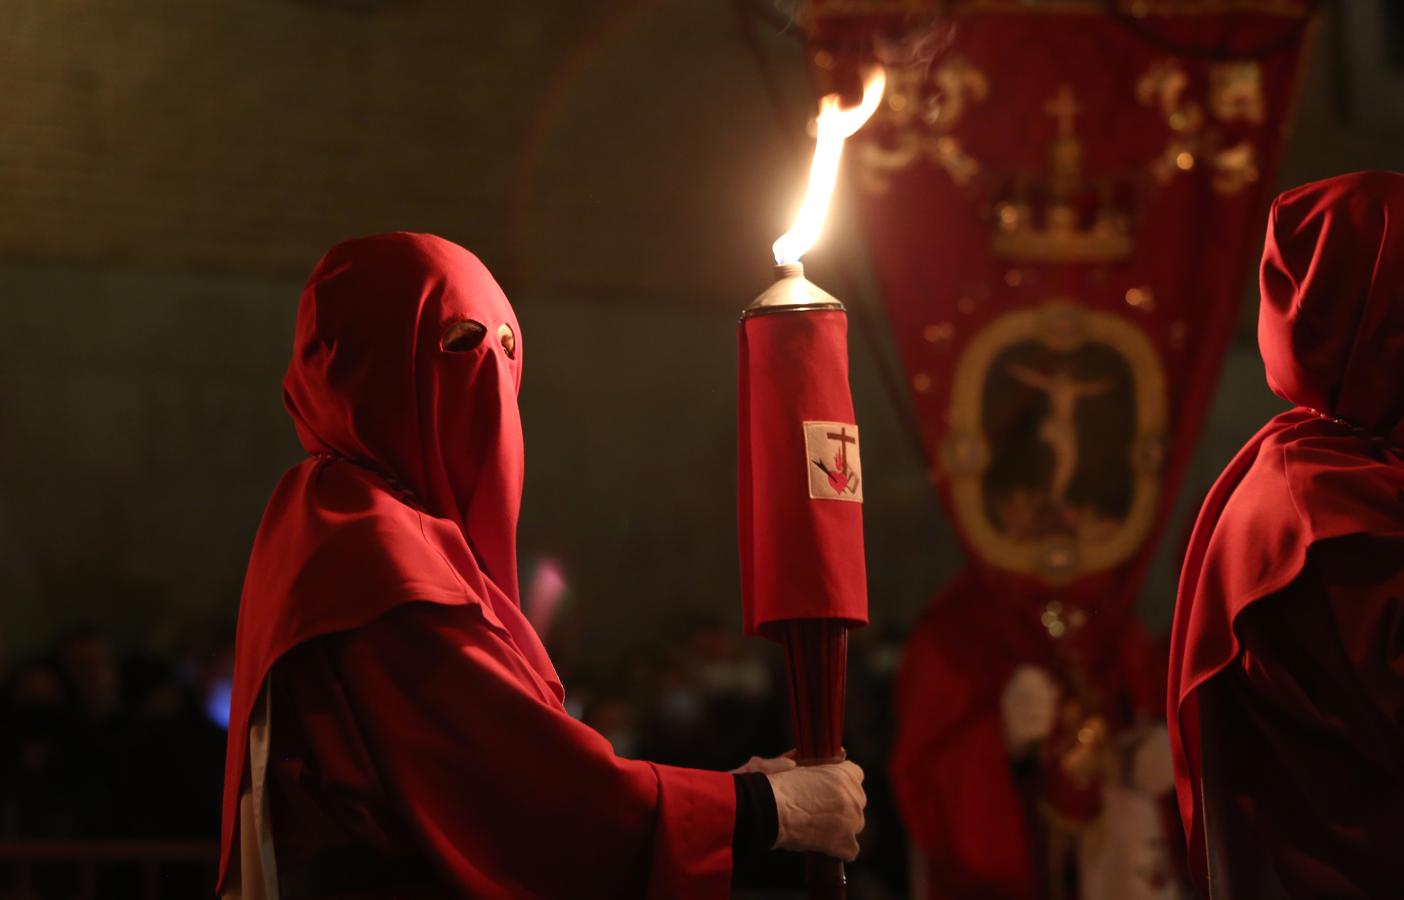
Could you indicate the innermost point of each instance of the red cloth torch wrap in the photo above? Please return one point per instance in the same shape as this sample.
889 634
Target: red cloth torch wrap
801 555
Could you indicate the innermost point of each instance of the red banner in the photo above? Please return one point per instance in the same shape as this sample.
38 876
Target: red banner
1062 202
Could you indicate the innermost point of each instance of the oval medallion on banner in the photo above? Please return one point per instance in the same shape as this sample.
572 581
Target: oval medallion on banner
1058 416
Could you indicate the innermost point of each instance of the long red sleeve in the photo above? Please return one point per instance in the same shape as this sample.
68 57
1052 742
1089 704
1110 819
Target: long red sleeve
427 730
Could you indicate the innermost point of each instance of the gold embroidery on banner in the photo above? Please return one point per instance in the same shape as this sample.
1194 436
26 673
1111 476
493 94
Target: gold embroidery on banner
1236 92
961 166
960 84
924 107
1235 95
1164 86
819 9
1036 393
1235 168
918 111
1076 225
876 163
905 102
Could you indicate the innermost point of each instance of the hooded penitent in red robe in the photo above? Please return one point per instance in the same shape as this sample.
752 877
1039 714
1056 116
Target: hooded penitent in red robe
419 746
1287 661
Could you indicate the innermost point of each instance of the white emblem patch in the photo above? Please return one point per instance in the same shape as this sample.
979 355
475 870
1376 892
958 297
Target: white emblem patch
831 456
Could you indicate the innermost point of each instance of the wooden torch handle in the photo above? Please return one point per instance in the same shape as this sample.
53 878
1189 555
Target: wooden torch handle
824 878
816 664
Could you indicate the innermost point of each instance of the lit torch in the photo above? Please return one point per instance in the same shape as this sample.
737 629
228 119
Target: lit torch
803 575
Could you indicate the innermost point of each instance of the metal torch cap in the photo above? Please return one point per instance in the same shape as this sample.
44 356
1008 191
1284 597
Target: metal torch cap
791 292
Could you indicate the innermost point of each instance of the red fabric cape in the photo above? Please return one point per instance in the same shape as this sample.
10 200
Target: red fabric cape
380 518
1331 331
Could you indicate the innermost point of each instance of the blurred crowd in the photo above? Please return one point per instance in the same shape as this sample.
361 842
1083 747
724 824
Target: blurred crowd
98 742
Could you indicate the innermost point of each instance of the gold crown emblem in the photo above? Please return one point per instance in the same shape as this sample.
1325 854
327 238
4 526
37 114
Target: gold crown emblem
1055 216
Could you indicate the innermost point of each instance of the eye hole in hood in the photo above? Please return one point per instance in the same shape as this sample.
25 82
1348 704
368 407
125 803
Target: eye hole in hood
460 337
508 338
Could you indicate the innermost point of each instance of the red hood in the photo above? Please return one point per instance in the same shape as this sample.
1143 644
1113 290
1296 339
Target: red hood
414 489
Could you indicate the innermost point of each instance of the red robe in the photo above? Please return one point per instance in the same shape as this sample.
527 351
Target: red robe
1310 729
1289 612
951 770
435 732
379 743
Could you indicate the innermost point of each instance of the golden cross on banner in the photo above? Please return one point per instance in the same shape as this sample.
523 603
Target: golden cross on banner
1064 107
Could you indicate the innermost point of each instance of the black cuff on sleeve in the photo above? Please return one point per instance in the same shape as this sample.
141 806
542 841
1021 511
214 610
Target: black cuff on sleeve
757 821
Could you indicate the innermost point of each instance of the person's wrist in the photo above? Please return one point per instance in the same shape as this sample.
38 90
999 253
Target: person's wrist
782 810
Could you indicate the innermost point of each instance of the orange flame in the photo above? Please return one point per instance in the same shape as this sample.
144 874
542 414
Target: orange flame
834 125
